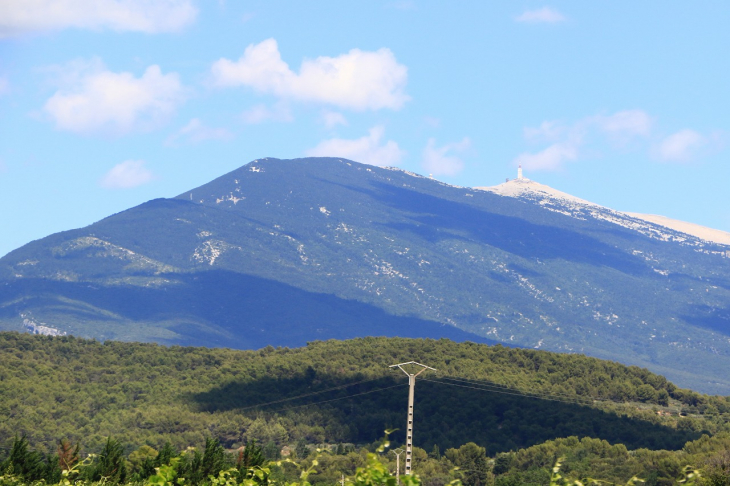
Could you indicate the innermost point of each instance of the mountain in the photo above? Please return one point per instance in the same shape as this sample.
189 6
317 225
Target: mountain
282 252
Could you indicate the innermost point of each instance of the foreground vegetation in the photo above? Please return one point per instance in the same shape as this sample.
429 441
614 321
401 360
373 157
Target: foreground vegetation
567 461
512 414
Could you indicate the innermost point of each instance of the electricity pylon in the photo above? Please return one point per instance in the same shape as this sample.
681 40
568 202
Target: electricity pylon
397 453
411 385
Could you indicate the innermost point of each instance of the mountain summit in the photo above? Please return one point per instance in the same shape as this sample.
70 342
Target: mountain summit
280 252
554 200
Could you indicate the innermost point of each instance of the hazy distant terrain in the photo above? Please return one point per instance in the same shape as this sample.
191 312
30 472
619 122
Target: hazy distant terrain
282 252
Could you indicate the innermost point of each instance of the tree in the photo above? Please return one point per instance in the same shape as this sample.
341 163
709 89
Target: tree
214 458
717 469
271 451
435 452
249 456
472 461
502 464
24 462
142 456
110 464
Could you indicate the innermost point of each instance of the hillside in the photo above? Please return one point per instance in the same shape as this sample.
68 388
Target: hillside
283 252
503 399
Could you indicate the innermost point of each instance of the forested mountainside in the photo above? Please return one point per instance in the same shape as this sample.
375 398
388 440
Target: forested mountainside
282 252
501 398
504 414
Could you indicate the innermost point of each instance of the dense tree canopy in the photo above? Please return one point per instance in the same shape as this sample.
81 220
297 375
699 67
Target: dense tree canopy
54 388
501 415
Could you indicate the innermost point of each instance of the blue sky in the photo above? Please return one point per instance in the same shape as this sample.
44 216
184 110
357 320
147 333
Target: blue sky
105 104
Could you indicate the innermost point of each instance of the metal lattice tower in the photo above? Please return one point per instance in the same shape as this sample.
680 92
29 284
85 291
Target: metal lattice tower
409 429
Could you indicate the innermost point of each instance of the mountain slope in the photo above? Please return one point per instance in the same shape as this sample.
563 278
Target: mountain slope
659 227
283 251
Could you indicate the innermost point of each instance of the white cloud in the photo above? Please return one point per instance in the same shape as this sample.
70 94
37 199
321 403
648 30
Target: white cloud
366 149
681 146
437 160
551 158
195 131
126 175
18 17
332 118
626 123
566 141
541 15
93 99
549 131
358 80
261 113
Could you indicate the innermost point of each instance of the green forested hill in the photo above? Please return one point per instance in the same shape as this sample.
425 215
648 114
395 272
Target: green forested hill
64 387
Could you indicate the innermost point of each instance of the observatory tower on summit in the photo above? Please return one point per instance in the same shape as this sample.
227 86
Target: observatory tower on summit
519 172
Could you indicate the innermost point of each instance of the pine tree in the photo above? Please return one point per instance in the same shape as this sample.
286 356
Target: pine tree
24 462
250 456
110 464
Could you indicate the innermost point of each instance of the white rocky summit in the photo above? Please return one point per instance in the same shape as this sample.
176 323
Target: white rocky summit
659 227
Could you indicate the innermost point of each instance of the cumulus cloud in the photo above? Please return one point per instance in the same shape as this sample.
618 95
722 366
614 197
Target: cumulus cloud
195 131
564 145
625 124
93 99
681 146
551 158
18 17
332 118
358 80
261 113
367 149
541 15
566 141
440 160
126 175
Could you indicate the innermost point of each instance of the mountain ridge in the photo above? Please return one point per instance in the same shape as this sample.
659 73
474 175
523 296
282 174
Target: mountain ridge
547 196
522 271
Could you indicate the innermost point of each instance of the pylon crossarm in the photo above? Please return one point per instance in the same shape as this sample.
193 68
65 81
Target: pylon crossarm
424 369
423 366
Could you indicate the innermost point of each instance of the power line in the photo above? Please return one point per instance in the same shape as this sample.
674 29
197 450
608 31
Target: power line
498 385
335 399
574 399
311 393
480 385
487 383
514 391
